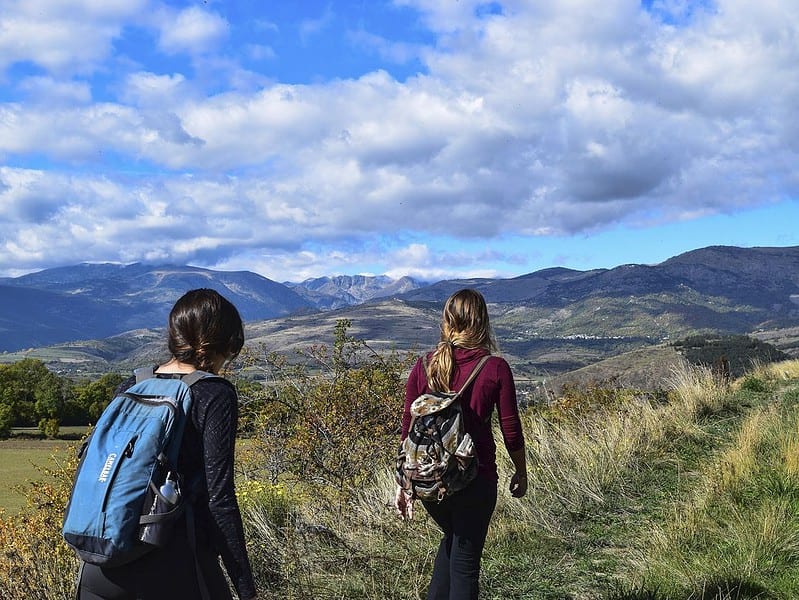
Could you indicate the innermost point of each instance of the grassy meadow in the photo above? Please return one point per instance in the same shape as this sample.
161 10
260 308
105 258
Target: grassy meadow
689 494
23 455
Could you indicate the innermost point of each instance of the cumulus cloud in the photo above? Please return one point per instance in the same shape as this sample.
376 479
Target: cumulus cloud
145 88
62 35
53 91
395 52
192 30
533 119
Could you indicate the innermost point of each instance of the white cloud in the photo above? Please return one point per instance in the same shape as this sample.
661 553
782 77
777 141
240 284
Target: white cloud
395 52
192 30
62 36
52 91
547 119
56 46
312 27
260 52
152 89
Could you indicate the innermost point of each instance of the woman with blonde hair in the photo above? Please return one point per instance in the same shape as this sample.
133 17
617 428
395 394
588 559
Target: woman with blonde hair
466 338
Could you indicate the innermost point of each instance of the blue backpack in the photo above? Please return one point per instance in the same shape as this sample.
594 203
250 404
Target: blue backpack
127 491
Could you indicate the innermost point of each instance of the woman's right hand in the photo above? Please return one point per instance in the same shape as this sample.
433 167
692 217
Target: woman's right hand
403 504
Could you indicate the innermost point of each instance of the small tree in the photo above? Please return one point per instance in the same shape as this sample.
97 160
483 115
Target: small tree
34 394
5 420
333 418
17 393
49 406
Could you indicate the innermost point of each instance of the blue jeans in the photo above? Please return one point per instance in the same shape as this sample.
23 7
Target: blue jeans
464 519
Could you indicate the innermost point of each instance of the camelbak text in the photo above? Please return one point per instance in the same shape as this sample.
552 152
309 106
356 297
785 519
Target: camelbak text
109 462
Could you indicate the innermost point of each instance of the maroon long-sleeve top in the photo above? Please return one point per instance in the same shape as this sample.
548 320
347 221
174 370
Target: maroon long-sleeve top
493 387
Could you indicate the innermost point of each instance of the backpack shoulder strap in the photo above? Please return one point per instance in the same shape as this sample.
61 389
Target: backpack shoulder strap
195 376
189 379
473 374
426 365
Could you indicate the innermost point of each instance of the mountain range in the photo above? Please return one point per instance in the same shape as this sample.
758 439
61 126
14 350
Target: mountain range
552 320
90 301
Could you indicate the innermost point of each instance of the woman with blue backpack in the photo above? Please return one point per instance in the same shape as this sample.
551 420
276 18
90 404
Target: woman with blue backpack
453 391
204 332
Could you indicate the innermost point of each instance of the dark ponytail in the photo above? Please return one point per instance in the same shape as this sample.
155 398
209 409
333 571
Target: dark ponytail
204 326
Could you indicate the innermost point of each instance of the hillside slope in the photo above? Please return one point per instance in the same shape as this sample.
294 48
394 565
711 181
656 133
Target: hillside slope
548 322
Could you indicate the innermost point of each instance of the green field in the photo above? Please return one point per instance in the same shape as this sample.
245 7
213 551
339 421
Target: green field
20 459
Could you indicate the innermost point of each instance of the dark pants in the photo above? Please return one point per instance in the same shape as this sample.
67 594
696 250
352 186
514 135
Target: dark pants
464 519
168 573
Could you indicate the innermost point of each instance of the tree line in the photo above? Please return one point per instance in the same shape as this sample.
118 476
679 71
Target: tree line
729 355
33 396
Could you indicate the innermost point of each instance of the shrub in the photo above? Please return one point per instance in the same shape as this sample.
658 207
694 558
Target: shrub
273 500
751 383
49 427
329 421
36 562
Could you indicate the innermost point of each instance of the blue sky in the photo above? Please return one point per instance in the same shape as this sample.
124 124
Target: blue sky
433 138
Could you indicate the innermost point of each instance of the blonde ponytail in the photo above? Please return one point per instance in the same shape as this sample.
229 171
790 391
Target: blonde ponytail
464 324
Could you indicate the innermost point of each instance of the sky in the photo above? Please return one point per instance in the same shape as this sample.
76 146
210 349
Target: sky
432 138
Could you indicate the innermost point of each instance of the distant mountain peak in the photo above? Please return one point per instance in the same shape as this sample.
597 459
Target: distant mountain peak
337 291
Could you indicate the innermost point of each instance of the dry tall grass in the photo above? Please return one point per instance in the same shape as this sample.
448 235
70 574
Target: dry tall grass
323 550
573 463
740 524
697 393
781 371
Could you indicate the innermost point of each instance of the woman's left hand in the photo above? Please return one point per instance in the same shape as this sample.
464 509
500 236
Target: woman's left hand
518 485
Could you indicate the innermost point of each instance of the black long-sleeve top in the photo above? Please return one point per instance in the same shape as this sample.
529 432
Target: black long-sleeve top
206 457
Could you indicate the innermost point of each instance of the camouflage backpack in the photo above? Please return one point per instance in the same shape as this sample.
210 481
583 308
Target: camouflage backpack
437 458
